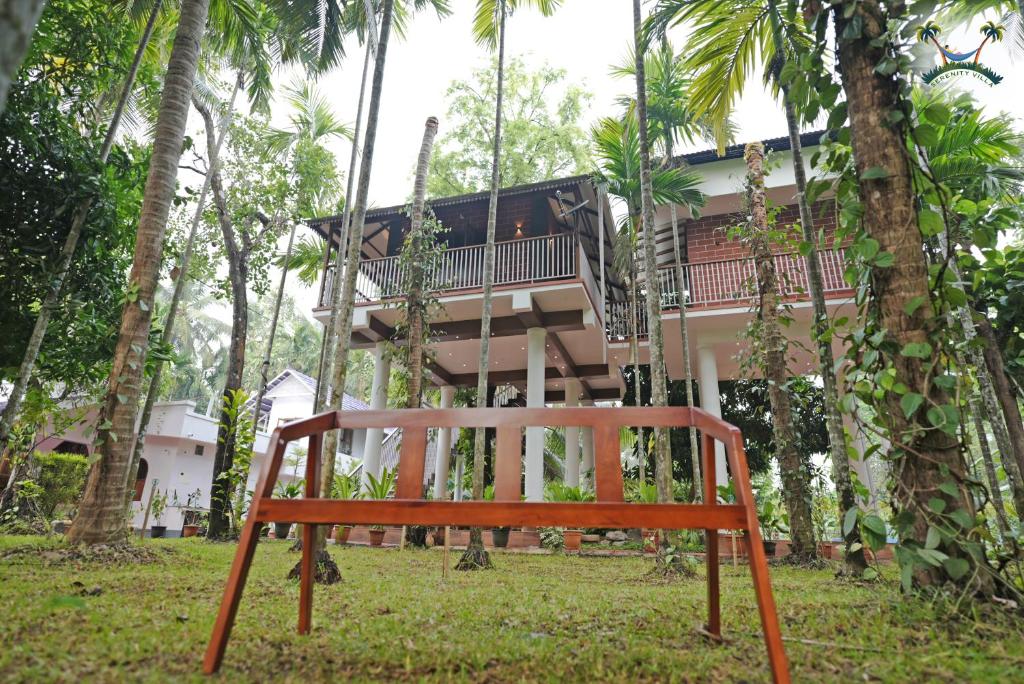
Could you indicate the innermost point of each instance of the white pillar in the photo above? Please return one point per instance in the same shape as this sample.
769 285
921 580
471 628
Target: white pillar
378 400
444 448
587 467
535 363
707 377
572 435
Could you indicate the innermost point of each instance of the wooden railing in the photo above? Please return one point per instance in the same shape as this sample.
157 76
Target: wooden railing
719 283
550 257
409 507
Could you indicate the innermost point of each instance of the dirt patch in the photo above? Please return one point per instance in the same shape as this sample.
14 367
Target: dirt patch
104 554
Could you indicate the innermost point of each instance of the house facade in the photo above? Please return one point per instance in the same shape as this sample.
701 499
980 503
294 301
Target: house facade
560 326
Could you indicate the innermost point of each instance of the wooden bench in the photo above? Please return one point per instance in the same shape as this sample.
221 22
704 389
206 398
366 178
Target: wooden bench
408 507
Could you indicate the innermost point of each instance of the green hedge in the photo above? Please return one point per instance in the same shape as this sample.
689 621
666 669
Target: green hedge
62 478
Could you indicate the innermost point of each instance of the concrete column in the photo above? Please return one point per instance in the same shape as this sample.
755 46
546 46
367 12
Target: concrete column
572 435
378 400
444 448
535 363
587 467
707 377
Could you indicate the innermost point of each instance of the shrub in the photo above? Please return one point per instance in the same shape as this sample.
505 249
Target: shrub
62 479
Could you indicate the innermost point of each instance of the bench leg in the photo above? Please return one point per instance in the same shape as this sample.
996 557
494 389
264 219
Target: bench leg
306 578
714 625
232 596
766 607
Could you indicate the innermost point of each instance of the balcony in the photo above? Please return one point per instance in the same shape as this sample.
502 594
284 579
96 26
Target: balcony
524 261
729 283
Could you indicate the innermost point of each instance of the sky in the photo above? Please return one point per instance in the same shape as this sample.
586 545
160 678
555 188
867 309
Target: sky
584 37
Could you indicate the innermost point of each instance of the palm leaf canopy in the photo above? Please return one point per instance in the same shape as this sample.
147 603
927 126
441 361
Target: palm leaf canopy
488 17
729 39
306 260
617 151
355 14
312 118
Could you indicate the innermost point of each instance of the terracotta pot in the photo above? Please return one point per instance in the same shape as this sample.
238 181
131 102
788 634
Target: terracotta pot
825 549
572 539
189 530
281 530
341 533
769 548
376 537
651 540
438 536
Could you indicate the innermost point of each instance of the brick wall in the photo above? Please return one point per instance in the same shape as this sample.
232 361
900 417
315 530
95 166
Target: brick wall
707 238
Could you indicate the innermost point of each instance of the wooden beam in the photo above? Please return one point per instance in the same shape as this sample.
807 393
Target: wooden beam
382 330
441 376
502 377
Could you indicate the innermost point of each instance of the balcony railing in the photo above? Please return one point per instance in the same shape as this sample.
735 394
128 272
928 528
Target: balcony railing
527 260
721 283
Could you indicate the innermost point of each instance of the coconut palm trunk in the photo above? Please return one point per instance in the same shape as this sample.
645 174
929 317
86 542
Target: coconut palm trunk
18 19
656 340
929 459
995 488
476 556
326 569
634 349
854 561
1002 391
172 308
795 480
63 266
417 272
327 351
100 516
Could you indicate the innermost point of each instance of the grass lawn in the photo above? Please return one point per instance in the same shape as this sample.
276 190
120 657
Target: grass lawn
535 618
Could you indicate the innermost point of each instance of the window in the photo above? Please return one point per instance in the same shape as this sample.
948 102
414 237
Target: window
345 442
199 449
140 479
69 447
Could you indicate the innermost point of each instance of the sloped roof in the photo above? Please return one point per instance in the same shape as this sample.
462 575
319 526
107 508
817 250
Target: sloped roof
348 402
809 139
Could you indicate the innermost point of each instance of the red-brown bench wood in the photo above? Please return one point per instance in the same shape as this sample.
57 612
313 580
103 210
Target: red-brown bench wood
506 510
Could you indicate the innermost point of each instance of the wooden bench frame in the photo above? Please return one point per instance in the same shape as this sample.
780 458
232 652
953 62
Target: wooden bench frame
408 506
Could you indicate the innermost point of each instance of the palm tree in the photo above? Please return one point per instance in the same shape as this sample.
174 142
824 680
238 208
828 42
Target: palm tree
63 266
655 336
312 121
991 31
725 45
617 152
16 29
930 32
772 356
672 119
415 302
100 516
489 31
928 458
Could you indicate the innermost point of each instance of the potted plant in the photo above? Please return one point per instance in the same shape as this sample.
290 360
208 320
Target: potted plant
292 490
379 489
769 519
190 528
499 535
559 492
157 507
346 487
438 536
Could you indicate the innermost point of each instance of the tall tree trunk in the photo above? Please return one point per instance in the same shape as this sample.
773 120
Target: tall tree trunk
417 272
265 366
238 276
329 342
100 516
18 19
990 467
930 458
854 561
78 217
476 556
172 309
656 340
634 352
1002 390
795 480
326 568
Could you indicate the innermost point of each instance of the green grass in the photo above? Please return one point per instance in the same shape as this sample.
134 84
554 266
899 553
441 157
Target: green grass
535 618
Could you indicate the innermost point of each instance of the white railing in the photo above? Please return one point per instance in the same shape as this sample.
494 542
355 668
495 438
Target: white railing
718 283
518 261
